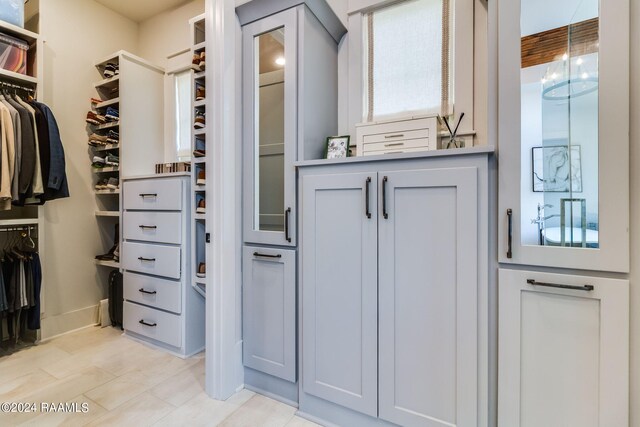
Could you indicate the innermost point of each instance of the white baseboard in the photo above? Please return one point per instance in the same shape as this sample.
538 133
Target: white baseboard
53 326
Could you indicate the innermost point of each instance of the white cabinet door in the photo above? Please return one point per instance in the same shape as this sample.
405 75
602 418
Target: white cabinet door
428 306
563 350
340 289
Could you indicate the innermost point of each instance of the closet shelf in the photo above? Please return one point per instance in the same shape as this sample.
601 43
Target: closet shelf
200 103
107 103
106 170
199 47
108 125
107 192
21 33
200 132
111 264
107 147
199 75
114 214
200 288
17 78
199 217
20 221
108 83
199 160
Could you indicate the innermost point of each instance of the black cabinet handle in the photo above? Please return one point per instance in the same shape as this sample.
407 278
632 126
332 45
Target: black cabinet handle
147 259
510 232
142 322
144 291
151 227
267 255
367 185
143 195
287 214
586 288
384 197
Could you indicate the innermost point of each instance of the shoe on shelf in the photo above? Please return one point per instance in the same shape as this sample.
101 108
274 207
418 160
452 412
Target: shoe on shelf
200 93
101 185
201 64
198 153
110 70
112 114
195 62
98 162
202 270
95 101
201 180
112 184
96 119
199 122
114 252
112 160
113 137
96 140
201 207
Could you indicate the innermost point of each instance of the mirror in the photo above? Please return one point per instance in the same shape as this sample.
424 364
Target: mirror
559 134
269 131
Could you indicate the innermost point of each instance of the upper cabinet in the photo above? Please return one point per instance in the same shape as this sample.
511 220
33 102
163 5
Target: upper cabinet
290 106
564 133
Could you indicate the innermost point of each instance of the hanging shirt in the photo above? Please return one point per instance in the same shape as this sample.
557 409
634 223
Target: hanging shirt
38 188
17 126
27 158
22 283
7 163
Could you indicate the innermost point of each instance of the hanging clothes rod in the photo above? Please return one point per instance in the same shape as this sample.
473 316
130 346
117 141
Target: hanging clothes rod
6 229
16 86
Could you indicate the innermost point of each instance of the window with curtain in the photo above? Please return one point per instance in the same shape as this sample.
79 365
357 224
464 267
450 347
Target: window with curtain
408 59
183 114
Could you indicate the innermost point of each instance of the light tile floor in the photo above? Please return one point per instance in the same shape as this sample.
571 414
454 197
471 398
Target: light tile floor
125 383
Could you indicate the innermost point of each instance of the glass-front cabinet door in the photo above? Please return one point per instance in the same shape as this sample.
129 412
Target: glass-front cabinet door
269 129
564 133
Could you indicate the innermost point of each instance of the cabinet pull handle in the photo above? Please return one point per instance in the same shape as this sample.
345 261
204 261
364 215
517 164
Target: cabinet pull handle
510 233
586 288
147 259
142 322
152 227
384 197
143 195
394 144
399 135
367 185
144 291
287 214
267 255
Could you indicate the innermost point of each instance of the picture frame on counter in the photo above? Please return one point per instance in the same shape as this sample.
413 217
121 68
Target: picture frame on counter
337 147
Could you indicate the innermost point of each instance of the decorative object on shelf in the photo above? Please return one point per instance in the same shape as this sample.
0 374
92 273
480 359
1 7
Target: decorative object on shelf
337 147
557 169
453 142
174 167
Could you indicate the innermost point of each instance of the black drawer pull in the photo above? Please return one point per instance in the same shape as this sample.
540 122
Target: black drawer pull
150 227
509 232
144 291
143 195
385 214
367 212
147 259
586 288
267 255
142 322
399 135
394 144
287 214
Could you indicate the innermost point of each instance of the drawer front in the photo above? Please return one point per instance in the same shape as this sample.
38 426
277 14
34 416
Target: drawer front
159 293
160 227
391 137
158 260
395 151
153 194
152 323
397 145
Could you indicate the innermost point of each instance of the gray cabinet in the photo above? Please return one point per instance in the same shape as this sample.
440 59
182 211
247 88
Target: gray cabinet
339 301
269 311
427 298
392 289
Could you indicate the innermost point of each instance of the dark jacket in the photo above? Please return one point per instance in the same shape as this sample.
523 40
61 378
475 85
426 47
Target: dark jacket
28 158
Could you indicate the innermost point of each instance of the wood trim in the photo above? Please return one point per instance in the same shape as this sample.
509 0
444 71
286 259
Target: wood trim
549 46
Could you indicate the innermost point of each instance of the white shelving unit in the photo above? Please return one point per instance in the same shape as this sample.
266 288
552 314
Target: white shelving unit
137 93
199 234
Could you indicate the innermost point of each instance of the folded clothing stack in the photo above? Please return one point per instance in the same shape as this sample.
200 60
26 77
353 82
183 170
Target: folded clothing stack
110 69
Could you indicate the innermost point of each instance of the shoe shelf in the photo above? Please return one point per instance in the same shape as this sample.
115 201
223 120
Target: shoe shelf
107 103
111 264
198 160
107 192
199 47
199 104
106 170
199 75
110 125
108 147
200 132
112 214
110 83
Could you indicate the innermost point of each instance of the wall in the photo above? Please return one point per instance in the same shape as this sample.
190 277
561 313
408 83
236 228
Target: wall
635 214
167 33
71 283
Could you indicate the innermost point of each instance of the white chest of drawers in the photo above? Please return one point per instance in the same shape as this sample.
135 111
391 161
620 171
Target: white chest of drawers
161 306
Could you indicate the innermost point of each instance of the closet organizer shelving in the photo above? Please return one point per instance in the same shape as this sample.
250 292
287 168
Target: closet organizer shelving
29 218
199 163
136 92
